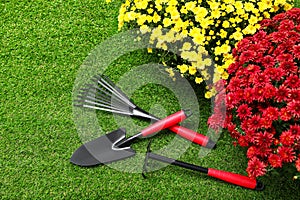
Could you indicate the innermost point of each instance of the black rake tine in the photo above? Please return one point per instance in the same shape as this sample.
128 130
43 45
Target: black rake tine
105 109
109 87
101 106
108 99
87 93
96 94
116 87
93 100
107 82
98 89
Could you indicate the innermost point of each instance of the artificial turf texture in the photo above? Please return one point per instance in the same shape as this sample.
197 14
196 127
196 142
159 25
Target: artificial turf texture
42 46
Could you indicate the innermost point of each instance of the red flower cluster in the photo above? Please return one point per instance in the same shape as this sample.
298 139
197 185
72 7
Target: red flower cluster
263 94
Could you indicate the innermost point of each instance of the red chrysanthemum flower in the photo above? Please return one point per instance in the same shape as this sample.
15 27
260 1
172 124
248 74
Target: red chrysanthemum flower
271 113
294 14
294 95
292 81
263 139
258 93
216 121
243 45
289 67
285 114
279 17
254 122
296 50
266 123
253 69
229 125
233 67
256 168
275 74
268 61
247 56
252 152
295 130
285 57
286 25
260 35
278 37
264 152
248 95
243 111
287 138
294 108
287 154
231 101
260 79
281 94
243 141
275 160
234 84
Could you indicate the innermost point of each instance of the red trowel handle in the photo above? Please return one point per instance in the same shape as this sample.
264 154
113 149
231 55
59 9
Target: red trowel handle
193 136
186 133
167 122
157 126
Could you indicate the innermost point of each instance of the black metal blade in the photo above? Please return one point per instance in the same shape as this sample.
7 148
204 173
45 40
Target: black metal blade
102 150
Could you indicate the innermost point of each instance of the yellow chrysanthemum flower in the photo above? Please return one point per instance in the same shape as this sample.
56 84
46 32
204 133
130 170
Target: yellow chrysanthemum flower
141 4
144 29
192 70
223 33
225 24
198 80
229 8
167 22
238 5
183 68
156 18
237 35
190 5
186 46
279 2
248 6
208 95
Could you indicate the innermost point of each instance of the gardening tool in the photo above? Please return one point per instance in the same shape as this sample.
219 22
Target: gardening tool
228 177
113 146
106 96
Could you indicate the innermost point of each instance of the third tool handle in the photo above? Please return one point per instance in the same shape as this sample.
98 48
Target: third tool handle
229 177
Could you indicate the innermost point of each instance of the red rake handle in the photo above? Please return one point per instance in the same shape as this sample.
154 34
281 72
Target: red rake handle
236 179
167 122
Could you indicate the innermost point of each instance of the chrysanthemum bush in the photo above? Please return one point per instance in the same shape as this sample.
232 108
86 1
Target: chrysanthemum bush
263 95
216 25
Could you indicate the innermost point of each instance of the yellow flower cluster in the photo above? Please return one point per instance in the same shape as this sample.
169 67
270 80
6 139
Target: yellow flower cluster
214 25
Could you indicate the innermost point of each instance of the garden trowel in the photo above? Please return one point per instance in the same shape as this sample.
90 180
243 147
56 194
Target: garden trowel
114 146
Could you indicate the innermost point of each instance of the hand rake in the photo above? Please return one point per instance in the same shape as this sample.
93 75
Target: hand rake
106 96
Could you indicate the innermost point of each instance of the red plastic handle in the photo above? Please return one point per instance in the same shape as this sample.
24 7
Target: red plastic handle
236 179
190 135
167 122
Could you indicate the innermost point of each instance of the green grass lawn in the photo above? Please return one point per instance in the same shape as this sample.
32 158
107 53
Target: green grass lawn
43 44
